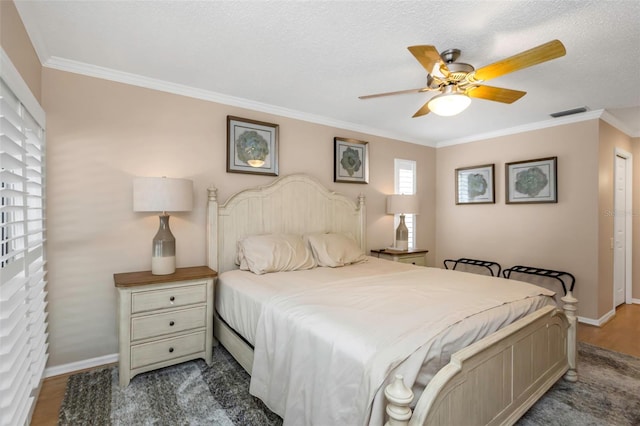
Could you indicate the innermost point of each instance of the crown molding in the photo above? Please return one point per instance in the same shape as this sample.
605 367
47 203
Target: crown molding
589 115
77 67
606 116
82 68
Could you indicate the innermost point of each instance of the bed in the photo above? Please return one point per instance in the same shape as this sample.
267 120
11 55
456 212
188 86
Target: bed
493 380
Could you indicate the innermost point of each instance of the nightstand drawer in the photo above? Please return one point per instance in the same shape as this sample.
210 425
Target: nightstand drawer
168 298
169 322
412 256
416 260
164 350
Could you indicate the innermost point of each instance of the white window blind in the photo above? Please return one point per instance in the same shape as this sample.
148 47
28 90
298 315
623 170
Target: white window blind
23 318
405 183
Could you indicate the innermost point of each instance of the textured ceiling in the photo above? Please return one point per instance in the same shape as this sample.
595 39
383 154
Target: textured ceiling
313 59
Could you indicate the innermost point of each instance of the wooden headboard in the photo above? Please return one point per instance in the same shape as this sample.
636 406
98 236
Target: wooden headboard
294 204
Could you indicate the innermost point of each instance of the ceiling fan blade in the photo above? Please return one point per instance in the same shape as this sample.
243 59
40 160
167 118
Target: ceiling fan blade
399 92
428 57
422 111
545 52
497 94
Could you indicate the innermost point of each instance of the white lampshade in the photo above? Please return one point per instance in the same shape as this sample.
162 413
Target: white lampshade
402 204
449 102
162 194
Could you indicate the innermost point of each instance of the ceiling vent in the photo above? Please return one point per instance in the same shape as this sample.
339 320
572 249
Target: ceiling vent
569 112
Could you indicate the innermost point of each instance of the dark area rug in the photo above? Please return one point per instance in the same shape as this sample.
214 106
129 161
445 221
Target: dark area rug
607 393
190 393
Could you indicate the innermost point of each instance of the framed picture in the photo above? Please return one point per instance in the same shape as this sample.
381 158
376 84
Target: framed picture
252 146
475 185
532 181
351 161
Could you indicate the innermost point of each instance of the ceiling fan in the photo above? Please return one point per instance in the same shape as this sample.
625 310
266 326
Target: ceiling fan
458 82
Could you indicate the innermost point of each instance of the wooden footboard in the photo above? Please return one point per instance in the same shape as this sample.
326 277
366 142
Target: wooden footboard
497 379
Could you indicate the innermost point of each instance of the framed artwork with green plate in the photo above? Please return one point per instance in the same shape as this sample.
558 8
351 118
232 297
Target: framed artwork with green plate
475 185
532 181
351 161
252 146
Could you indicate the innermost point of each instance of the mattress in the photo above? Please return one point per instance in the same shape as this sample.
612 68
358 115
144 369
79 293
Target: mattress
240 294
241 297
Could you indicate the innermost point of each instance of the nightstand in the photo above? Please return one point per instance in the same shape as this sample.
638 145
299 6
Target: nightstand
164 319
413 256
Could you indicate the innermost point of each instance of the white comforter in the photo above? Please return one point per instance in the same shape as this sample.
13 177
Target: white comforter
322 353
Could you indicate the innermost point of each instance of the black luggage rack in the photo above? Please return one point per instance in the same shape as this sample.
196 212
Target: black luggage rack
559 275
475 262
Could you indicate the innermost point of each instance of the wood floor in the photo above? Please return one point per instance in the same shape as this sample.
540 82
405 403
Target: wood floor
621 334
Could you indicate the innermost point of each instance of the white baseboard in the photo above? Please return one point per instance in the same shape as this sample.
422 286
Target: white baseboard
606 317
588 321
600 321
80 365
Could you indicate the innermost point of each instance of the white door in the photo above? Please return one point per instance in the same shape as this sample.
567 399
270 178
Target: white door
619 229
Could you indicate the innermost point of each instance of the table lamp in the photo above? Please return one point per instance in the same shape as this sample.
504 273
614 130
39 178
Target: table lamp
162 195
402 204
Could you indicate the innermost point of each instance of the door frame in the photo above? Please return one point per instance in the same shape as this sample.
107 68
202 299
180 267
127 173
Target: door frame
628 222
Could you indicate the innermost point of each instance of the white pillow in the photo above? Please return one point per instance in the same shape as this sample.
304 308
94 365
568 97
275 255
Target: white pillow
261 254
334 250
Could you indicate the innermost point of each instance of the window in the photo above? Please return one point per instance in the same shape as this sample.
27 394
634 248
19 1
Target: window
23 320
405 183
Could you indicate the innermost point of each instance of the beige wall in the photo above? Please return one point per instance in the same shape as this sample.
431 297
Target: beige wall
17 45
562 236
101 134
610 139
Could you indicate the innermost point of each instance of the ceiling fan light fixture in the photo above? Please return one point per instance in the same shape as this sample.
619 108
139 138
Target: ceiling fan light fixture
449 103
457 82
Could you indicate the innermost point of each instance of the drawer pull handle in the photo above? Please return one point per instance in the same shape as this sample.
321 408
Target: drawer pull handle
172 298
170 349
171 323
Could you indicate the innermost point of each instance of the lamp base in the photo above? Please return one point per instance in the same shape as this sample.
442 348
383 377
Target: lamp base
163 250
401 246
402 235
163 265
